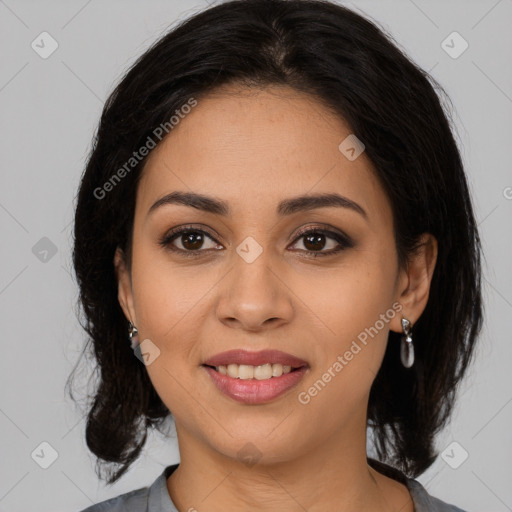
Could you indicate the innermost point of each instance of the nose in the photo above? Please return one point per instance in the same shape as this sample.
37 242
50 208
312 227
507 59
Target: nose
254 296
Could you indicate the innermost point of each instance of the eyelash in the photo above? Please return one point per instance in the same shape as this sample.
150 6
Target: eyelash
344 241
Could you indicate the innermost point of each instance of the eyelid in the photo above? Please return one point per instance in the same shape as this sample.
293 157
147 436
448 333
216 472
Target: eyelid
323 228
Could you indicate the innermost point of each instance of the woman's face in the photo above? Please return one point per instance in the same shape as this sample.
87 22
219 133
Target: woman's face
253 283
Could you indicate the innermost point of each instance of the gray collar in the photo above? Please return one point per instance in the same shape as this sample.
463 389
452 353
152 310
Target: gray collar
158 495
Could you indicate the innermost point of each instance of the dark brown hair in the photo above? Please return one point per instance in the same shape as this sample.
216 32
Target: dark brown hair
352 66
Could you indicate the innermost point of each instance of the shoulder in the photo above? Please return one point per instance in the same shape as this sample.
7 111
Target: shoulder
133 501
424 502
153 498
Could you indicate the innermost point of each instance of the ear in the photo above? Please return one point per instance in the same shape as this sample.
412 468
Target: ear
414 282
125 293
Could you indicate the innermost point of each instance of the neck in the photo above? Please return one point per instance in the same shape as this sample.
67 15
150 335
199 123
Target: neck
332 476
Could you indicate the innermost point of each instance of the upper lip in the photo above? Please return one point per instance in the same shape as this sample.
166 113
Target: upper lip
241 356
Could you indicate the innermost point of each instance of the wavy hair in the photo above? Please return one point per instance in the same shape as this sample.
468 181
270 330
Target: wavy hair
359 72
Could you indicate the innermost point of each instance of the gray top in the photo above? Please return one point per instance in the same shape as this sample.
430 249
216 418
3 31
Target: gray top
155 498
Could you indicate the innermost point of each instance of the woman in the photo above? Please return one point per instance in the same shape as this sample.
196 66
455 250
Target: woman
275 243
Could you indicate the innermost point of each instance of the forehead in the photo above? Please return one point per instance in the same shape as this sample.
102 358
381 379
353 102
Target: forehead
258 144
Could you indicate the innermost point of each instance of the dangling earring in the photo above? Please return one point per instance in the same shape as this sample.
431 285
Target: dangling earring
133 333
406 346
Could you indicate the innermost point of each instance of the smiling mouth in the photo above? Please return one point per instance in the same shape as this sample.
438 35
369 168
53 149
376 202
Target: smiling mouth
247 372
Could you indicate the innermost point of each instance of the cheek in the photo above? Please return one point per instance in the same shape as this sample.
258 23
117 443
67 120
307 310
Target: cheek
173 302
352 295
165 293
355 304
351 352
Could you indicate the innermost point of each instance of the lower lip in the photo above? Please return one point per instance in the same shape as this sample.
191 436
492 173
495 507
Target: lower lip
252 391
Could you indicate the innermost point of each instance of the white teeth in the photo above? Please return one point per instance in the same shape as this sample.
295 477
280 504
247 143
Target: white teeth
263 372
246 371
277 370
232 370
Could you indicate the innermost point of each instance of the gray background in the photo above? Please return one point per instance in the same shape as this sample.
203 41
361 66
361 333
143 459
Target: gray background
50 108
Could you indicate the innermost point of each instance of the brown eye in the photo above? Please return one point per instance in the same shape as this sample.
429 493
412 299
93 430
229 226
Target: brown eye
192 241
315 240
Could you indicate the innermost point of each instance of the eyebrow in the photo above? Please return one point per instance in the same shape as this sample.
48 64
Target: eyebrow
286 207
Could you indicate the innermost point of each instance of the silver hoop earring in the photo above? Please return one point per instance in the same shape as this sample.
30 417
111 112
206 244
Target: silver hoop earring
132 334
406 346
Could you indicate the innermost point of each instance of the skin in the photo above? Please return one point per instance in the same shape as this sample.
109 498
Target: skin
253 148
